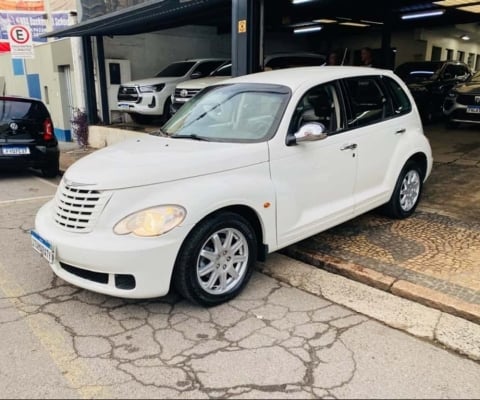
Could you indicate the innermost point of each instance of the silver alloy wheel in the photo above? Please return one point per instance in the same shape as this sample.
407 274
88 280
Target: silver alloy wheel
222 262
410 190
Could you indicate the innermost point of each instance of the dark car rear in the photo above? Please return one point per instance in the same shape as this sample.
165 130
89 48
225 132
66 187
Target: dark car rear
27 136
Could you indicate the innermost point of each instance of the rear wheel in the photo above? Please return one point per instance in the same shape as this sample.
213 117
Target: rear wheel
216 260
51 169
406 194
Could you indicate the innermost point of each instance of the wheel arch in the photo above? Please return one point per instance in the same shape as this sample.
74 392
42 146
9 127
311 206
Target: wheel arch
421 160
252 217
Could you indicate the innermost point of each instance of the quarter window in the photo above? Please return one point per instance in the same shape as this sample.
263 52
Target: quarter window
401 103
368 102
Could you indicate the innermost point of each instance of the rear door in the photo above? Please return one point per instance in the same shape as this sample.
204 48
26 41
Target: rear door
379 113
21 121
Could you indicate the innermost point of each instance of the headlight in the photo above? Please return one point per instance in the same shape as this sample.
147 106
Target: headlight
153 221
151 88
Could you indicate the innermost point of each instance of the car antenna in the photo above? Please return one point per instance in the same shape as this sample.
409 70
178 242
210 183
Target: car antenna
344 55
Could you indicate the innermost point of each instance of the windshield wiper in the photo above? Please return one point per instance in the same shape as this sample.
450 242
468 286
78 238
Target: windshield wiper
192 136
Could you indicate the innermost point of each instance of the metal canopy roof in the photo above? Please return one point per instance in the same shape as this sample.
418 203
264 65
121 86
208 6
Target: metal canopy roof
146 17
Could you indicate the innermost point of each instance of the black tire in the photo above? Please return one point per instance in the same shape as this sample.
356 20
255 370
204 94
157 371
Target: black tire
167 111
51 169
399 206
186 279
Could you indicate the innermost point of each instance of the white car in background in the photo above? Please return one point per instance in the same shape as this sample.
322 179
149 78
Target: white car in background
245 168
147 98
188 89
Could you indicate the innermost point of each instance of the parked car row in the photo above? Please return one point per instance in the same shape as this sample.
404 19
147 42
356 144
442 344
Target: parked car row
443 89
172 87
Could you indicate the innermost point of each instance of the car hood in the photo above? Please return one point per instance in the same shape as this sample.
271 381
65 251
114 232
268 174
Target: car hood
468 88
151 160
153 81
202 82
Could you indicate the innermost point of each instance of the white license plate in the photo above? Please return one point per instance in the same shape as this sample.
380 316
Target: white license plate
15 150
473 110
43 247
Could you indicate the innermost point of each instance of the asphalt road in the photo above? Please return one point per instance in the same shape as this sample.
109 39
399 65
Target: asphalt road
274 341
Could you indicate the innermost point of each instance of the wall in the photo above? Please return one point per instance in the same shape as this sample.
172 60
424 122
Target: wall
149 53
44 70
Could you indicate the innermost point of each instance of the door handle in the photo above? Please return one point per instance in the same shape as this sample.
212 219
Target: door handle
351 146
400 131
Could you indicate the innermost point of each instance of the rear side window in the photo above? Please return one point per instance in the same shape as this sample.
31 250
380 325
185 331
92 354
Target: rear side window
21 109
368 102
401 103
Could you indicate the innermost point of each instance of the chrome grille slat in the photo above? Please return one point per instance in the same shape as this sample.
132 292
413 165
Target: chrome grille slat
77 209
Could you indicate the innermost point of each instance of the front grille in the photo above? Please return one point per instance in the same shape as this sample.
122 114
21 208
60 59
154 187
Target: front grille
186 93
77 209
466 100
127 93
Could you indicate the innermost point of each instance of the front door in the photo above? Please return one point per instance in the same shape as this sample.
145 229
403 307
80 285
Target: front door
314 181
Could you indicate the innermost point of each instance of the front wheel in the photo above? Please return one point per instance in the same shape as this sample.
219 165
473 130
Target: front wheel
406 194
216 260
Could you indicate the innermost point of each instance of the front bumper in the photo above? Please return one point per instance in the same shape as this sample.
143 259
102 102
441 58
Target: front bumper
148 104
104 262
457 112
39 157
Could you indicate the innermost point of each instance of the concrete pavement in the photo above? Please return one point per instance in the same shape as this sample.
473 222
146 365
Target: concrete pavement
273 341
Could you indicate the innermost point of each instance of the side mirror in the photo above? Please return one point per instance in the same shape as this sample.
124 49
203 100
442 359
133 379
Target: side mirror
311 131
196 75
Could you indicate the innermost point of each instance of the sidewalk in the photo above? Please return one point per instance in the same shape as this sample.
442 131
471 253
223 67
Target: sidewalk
432 258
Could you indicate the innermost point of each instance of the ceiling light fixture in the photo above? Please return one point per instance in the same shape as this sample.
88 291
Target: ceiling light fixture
307 29
371 22
356 24
325 21
300 1
423 14
465 37
454 3
473 9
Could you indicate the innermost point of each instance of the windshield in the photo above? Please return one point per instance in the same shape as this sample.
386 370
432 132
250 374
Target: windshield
418 71
20 109
176 69
225 70
476 77
231 113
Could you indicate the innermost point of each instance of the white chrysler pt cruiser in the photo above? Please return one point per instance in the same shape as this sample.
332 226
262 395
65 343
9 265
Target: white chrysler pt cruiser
247 167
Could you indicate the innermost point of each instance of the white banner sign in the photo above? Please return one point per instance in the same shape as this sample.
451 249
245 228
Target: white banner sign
20 38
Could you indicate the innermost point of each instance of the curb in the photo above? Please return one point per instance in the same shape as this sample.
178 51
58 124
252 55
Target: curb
428 297
441 328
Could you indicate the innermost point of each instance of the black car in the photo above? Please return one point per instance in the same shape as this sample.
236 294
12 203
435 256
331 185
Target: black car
27 136
430 82
462 104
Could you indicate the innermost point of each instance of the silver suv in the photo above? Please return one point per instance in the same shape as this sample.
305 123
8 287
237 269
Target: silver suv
147 98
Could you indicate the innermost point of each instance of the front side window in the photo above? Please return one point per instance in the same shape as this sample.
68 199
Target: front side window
368 102
231 113
320 104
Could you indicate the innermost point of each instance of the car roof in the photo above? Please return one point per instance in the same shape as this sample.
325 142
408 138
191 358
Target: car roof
296 77
14 97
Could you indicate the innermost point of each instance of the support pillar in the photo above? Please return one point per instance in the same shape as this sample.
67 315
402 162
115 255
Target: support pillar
89 79
247 35
103 80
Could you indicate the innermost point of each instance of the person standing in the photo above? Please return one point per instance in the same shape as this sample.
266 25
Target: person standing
366 56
